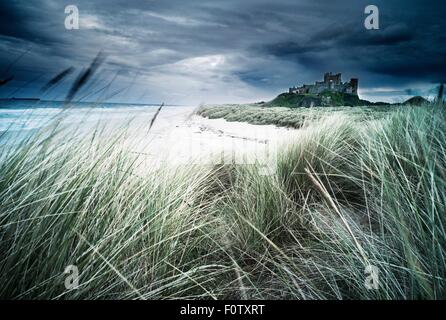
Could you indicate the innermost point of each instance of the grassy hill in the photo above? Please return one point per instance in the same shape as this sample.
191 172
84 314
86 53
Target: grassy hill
289 117
327 98
416 101
332 99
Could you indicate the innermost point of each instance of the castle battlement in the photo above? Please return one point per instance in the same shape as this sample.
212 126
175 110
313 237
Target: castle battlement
332 82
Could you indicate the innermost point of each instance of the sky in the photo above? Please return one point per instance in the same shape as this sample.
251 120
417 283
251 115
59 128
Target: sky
221 51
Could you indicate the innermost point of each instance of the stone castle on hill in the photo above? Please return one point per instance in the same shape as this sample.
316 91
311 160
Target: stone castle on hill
332 83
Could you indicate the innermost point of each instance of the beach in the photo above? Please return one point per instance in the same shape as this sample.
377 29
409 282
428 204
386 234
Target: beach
187 138
179 136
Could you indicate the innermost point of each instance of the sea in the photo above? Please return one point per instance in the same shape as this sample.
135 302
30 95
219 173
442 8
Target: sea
20 118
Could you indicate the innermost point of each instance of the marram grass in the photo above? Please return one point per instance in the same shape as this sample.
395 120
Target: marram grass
351 192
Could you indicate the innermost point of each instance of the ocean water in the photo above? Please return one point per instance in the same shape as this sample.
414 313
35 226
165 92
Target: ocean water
18 115
19 118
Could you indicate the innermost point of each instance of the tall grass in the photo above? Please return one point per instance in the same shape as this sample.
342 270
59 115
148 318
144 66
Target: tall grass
349 193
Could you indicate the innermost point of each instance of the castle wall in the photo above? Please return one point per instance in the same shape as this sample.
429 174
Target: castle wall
354 85
332 82
319 88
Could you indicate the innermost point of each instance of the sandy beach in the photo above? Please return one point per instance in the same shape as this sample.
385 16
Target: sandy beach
182 137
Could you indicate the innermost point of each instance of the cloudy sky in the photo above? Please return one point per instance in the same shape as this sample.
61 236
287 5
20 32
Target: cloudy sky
211 51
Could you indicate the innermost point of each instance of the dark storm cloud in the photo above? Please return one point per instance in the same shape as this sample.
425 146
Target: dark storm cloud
26 20
409 46
351 36
234 49
397 50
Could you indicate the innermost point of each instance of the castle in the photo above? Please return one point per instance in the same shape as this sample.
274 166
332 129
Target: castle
332 82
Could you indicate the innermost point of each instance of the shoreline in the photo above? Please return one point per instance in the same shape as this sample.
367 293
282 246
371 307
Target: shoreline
199 140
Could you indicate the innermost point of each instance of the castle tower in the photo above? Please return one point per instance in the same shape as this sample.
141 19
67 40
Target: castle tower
334 78
354 85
